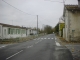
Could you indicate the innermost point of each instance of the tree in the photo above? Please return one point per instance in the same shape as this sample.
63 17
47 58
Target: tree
48 29
56 28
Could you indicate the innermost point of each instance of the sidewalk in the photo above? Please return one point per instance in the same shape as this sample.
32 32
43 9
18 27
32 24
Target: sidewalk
73 47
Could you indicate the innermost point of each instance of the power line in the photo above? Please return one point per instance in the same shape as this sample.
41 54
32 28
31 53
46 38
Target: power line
17 8
53 1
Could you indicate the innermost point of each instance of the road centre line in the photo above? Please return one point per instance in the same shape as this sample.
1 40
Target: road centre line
29 46
14 55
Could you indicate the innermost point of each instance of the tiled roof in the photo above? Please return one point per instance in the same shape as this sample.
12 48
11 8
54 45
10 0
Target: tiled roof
7 25
72 7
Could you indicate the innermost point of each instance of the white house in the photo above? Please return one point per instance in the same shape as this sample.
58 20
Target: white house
34 31
30 31
72 22
9 31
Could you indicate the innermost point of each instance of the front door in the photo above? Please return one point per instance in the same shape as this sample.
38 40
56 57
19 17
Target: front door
5 33
0 32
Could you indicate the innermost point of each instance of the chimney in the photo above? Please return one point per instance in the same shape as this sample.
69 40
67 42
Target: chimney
79 3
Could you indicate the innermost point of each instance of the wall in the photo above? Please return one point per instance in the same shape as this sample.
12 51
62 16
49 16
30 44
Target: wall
34 32
6 35
63 32
75 25
67 25
0 31
28 32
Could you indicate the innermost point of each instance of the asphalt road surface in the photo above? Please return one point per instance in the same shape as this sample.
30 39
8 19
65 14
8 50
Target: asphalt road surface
42 48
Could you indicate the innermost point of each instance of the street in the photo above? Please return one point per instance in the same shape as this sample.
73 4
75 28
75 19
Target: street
42 48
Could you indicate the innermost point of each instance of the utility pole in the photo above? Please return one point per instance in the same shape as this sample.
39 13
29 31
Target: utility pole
37 24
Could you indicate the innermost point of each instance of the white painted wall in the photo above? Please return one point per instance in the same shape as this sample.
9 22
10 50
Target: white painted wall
28 32
0 31
7 36
34 32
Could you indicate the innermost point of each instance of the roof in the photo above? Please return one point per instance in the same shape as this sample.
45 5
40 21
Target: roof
7 25
61 21
72 7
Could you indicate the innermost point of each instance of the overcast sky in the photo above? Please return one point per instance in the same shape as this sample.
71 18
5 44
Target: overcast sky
48 12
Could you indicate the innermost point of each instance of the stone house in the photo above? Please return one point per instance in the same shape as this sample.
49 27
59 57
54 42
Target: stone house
72 22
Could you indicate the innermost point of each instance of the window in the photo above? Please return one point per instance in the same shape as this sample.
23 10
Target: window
8 30
0 29
11 31
18 31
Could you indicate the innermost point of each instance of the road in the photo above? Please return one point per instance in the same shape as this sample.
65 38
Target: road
42 48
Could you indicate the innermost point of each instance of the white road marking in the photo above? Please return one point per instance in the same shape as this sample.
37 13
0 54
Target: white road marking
41 38
29 46
14 55
44 38
48 38
52 38
57 43
3 46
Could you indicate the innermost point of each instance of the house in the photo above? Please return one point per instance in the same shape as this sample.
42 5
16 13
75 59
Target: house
9 31
34 31
28 31
61 26
72 22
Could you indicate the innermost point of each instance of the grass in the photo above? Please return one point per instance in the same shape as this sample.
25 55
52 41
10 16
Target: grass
18 40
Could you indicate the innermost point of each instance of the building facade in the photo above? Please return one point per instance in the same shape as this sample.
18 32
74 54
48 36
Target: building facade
72 22
10 31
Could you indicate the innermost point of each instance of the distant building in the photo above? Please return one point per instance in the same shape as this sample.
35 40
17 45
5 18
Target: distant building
61 26
9 31
72 22
34 31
